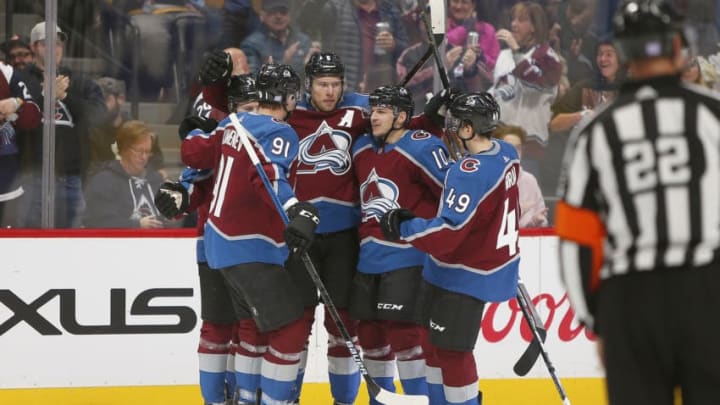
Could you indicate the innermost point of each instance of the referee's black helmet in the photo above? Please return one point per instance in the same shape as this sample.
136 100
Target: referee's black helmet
644 29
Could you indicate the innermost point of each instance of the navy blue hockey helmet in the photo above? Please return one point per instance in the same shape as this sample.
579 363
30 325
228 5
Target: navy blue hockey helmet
240 90
323 64
480 109
397 97
274 83
645 29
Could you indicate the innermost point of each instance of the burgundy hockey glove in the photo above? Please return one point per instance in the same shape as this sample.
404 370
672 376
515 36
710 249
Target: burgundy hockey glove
171 199
194 122
390 222
217 65
300 232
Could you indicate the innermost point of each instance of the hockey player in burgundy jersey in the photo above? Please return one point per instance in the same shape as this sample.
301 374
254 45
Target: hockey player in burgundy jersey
327 121
472 246
244 235
396 167
193 192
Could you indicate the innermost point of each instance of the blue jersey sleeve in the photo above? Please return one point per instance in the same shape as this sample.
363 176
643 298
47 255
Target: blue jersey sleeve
434 158
459 203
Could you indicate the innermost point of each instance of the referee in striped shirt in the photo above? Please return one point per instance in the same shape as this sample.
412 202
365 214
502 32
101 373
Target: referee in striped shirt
639 222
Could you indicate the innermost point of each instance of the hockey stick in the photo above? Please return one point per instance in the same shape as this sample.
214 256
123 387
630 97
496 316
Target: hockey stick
381 395
525 307
531 354
435 31
420 63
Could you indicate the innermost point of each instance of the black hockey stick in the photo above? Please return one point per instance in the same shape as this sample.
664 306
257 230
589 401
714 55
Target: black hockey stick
531 354
420 63
525 307
435 31
380 394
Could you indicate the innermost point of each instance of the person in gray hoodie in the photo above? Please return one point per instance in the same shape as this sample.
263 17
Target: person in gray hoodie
121 193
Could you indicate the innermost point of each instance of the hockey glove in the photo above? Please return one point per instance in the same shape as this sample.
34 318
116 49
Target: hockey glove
391 220
194 122
217 65
436 107
300 232
172 199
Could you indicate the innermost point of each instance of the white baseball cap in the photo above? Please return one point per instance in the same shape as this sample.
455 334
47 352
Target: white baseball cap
38 33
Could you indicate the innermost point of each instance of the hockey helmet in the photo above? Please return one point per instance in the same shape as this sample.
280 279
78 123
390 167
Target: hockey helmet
323 64
397 97
480 109
644 29
274 83
241 90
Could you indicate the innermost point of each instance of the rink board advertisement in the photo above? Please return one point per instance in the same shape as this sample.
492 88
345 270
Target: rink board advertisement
92 311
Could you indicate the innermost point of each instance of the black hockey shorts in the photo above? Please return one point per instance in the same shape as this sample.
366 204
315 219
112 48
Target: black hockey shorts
452 319
660 330
335 257
271 296
215 303
391 296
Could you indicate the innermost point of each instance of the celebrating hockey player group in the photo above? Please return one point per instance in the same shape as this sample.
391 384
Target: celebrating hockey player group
375 199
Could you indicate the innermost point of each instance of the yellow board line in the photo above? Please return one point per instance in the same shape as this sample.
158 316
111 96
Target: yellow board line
540 391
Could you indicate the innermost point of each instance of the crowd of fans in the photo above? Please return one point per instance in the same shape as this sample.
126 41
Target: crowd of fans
548 63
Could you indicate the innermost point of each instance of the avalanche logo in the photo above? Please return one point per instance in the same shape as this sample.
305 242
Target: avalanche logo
62 115
377 196
469 165
325 149
420 135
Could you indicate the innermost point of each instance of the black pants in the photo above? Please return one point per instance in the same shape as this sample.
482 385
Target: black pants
661 330
335 257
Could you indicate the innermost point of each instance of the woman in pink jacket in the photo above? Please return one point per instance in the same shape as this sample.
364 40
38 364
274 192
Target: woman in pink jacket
472 47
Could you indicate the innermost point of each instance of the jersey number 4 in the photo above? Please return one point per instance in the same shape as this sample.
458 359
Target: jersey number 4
507 234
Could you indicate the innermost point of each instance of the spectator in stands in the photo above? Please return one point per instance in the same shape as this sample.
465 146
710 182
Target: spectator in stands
17 52
410 11
577 41
422 81
497 12
463 20
527 74
701 24
472 48
692 73
533 212
276 38
585 96
578 103
370 55
103 142
17 111
239 20
79 105
121 194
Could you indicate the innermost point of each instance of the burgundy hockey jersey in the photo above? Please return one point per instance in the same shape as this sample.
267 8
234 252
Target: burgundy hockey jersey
243 224
406 174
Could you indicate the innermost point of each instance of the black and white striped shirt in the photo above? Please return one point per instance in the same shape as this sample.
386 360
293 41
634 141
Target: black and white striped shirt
648 168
